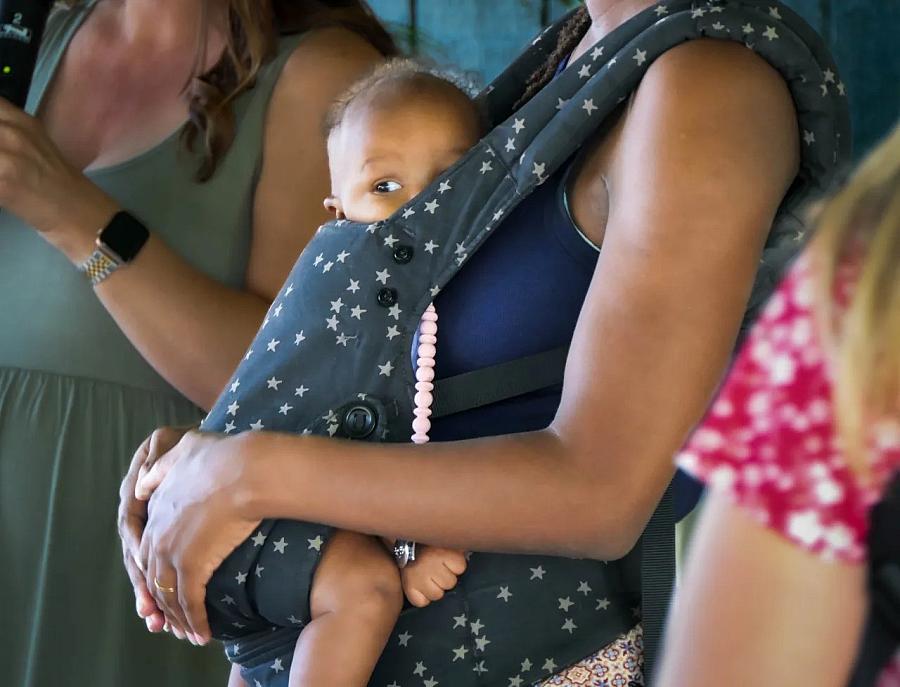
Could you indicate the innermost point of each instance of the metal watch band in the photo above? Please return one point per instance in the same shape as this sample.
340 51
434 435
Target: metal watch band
404 552
98 267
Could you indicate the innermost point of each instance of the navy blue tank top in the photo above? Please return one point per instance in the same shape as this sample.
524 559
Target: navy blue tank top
521 293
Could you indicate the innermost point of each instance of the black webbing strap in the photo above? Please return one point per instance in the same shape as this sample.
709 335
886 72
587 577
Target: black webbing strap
499 382
657 579
882 635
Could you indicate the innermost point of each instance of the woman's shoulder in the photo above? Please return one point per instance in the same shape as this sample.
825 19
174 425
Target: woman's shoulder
771 441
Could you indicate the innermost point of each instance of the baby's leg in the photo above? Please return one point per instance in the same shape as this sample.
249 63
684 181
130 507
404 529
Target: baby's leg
355 601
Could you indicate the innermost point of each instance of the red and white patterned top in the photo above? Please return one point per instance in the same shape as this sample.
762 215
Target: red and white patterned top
770 440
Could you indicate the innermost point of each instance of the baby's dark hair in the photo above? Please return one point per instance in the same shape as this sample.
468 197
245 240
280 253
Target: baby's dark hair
405 77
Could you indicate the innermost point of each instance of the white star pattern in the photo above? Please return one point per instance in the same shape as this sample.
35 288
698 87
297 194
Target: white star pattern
526 666
842 89
285 409
809 137
444 187
409 212
584 588
233 408
504 594
280 545
748 28
235 385
569 626
404 638
515 681
479 668
258 539
386 369
589 106
354 286
518 125
539 169
430 682
510 145
289 290
342 256
230 427
257 426
698 13
332 323
227 600
273 383
316 543
481 643
390 241
549 666
596 52
300 391
241 577
382 276
299 338
327 267
537 574
259 570
459 621
560 103
431 207
394 311
602 604
357 312
486 167
774 12
420 669
294 621
272 345
565 604
476 627
320 258
584 72
771 33
392 332
430 246
640 56
460 653
661 10
276 666
278 310
343 340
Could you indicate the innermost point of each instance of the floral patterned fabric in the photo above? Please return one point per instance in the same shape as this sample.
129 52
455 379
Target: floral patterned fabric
770 439
618 665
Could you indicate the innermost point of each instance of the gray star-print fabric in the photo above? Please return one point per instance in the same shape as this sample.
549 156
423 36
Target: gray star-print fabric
334 357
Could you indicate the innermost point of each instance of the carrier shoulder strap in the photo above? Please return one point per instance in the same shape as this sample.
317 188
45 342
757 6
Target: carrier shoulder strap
882 634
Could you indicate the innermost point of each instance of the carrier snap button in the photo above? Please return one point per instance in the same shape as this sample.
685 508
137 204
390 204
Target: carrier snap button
387 297
359 422
403 254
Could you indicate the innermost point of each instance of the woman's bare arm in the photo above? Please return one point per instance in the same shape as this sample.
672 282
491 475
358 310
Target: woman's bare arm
707 151
756 609
191 328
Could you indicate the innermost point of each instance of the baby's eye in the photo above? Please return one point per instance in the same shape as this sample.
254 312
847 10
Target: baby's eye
387 186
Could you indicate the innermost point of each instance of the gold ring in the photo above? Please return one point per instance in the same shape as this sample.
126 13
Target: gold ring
165 590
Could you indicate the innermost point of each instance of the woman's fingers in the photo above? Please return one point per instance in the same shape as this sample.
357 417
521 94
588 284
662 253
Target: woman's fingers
163 582
192 597
156 465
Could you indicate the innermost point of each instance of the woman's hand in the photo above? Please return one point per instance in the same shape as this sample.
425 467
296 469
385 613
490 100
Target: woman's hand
133 517
195 521
41 188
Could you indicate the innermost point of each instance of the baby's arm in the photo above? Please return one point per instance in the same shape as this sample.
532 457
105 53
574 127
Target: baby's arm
434 572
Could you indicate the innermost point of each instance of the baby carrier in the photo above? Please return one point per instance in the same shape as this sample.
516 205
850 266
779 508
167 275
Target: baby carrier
333 357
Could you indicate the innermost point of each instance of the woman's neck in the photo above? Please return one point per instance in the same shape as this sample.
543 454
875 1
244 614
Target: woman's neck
164 24
606 16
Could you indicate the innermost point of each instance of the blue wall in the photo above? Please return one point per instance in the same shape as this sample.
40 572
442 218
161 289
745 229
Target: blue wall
481 37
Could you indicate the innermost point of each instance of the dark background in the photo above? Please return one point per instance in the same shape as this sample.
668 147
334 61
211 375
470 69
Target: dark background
481 36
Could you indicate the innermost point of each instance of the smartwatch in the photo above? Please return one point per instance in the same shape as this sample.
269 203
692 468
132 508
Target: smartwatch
118 243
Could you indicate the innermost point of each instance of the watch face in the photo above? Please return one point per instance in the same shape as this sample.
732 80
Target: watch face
124 236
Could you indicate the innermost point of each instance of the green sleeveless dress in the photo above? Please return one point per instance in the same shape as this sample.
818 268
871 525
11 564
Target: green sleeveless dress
76 399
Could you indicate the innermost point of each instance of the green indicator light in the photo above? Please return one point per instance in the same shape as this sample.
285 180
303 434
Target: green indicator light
7 70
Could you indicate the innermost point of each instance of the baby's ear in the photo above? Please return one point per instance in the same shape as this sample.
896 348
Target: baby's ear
333 204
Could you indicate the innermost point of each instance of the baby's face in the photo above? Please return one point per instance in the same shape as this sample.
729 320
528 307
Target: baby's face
380 158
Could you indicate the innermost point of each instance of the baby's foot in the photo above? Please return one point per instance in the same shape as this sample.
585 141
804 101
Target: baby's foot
434 572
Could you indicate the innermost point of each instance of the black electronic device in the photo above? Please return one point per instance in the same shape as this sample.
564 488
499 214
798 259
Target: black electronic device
21 28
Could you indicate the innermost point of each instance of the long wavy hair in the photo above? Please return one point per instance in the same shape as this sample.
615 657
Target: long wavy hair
252 40
860 227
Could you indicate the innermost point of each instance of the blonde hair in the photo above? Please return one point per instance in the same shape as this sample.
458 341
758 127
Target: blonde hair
860 227
252 41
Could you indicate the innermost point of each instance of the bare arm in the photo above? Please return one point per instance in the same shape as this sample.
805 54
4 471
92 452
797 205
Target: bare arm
191 328
756 609
706 153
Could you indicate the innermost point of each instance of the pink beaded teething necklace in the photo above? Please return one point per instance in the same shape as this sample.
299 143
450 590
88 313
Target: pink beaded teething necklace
425 375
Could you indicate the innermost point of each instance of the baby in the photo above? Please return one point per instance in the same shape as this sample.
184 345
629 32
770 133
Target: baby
388 137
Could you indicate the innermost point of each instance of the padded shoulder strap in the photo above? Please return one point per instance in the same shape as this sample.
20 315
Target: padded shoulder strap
882 636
